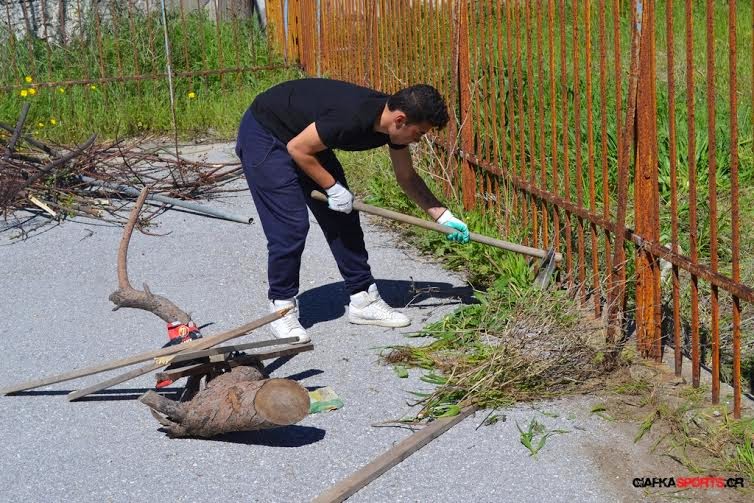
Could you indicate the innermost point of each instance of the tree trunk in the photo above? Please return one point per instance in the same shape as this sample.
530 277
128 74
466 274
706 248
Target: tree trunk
234 401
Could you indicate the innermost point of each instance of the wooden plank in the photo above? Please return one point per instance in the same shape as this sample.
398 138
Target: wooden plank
131 374
198 369
142 357
228 349
75 395
353 483
203 368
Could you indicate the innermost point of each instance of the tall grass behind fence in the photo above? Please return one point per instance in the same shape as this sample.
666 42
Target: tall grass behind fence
620 132
109 70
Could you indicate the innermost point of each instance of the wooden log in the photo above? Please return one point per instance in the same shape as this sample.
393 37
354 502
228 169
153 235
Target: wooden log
233 402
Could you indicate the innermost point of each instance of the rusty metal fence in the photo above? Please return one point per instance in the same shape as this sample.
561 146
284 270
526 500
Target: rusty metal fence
618 131
60 49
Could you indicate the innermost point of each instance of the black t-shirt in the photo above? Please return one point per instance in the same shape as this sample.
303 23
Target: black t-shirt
343 113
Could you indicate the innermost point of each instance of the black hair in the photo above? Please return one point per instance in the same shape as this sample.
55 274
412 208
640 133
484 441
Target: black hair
420 103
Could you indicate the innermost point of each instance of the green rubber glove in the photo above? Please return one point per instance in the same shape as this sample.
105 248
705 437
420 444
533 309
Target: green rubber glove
447 218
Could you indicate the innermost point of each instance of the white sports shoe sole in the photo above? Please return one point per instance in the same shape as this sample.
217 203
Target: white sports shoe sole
380 323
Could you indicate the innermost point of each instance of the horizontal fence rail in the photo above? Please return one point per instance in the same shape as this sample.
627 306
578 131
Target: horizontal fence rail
620 132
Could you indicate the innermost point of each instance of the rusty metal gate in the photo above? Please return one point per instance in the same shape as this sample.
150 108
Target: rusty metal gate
619 131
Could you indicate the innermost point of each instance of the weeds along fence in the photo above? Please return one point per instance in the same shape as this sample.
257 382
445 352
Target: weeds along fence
619 132
85 60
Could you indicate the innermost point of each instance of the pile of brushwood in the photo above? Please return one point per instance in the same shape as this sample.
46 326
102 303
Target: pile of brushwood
516 344
42 184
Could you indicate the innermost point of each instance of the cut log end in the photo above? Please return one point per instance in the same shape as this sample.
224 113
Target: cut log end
282 402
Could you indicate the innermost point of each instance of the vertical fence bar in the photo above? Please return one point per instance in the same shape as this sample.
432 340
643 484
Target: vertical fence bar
523 207
100 54
677 342
352 68
375 41
219 40
712 169
236 39
115 30
501 134
577 138
618 257
484 95
358 32
30 35
565 130
184 31
541 125
603 137
512 112
134 39
590 156
325 35
337 26
150 36
644 191
555 183
49 65
468 181
693 231
531 87
734 209
617 295
12 43
62 23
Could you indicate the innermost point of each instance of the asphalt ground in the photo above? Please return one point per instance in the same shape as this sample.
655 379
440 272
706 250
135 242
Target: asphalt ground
55 316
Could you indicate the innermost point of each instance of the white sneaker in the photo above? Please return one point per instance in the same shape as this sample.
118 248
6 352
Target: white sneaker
368 308
288 325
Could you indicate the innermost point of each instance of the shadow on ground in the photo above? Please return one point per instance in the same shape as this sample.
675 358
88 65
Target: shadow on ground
287 436
328 302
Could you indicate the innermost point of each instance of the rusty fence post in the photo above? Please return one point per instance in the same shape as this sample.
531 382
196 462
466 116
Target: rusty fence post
293 46
646 193
468 181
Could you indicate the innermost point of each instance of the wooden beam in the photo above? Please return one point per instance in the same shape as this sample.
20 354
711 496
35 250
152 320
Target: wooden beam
350 485
142 357
153 366
203 368
181 357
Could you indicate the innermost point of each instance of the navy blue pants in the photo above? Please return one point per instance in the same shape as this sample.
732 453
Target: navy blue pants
281 194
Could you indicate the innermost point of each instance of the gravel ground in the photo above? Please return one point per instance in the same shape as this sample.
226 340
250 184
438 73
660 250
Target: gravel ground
55 316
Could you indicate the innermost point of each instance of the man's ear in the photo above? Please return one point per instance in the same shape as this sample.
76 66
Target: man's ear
400 120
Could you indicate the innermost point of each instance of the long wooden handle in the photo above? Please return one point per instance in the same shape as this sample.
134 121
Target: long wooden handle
408 219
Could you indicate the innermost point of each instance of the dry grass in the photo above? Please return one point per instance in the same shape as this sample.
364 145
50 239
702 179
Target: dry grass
513 346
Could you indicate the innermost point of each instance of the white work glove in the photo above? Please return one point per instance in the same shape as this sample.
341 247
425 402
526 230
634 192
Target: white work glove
447 218
339 198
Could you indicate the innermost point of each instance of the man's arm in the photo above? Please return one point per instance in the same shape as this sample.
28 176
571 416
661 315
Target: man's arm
413 185
302 149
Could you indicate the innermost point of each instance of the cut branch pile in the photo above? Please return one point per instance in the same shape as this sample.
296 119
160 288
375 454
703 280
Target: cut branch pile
55 182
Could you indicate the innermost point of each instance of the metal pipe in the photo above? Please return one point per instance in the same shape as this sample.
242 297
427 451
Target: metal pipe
169 200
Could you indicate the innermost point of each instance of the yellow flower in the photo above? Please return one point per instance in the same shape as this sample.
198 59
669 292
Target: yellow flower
191 95
61 90
40 124
93 87
24 93
28 79
53 122
32 91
